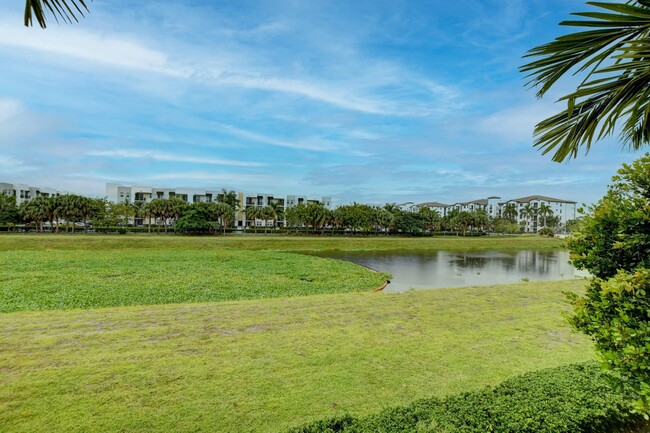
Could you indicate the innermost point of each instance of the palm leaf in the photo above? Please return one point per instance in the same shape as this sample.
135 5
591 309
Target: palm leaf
65 10
614 56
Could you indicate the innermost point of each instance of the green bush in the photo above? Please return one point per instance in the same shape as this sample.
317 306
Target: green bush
567 399
617 316
613 244
546 231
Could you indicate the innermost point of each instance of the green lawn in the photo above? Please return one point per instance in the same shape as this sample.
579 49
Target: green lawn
40 242
263 365
64 279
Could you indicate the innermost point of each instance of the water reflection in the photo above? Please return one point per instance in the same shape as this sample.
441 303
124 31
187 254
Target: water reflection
426 269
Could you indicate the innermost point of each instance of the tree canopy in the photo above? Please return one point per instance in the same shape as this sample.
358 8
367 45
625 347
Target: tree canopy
612 54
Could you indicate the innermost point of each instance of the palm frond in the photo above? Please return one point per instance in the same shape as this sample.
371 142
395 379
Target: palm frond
614 56
65 10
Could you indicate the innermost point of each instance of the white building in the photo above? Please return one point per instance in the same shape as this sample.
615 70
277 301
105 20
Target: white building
565 210
117 193
25 193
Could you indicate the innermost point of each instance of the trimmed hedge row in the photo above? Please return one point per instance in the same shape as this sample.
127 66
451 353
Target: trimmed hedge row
568 399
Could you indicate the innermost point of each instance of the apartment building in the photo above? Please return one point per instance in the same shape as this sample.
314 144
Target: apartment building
441 208
131 194
564 209
24 193
494 206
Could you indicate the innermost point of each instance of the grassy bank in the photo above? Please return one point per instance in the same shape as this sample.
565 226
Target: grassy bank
39 242
65 279
264 365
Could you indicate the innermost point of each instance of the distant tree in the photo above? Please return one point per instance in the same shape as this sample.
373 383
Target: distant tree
276 211
225 213
503 225
253 214
195 220
408 222
315 215
266 214
295 215
529 213
430 218
71 209
545 211
9 214
36 210
383 219
160 211
510 212
176 207
572 225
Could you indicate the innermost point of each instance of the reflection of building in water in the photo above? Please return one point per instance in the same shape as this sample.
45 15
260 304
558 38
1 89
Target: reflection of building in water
531 211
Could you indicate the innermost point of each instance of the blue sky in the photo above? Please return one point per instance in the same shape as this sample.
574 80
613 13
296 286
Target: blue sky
370 101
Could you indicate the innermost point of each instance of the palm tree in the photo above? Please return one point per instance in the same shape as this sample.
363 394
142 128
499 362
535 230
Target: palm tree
158 209
66 10
276 210
175 207
529 213
252 213
148 213
225 213
613 50
510 212
36 210
545 211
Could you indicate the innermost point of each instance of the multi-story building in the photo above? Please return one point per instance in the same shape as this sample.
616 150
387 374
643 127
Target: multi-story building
565 210
441 208
132 194
25 193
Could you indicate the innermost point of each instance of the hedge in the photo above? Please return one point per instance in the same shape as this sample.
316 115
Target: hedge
568 399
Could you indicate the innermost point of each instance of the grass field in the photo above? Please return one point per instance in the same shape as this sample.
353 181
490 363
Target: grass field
48 280
263 365
40 242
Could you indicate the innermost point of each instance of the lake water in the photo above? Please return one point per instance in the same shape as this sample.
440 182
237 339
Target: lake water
438 269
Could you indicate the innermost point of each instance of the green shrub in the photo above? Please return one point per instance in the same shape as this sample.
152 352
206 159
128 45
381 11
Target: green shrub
617 316
567 399
613 244
546 231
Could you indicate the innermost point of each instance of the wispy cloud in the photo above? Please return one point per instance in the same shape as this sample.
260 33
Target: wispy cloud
265 139
170 157
10 164
114 50
267 182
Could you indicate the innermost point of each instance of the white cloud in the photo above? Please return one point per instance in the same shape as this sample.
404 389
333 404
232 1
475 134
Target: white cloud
235 179
259 138
516 124
318 92
238 68
118 51
170 157
20 124
10 164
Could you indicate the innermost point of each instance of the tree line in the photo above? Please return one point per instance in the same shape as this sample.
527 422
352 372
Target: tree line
73 211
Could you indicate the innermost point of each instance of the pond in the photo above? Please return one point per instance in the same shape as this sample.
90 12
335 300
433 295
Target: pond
438 269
